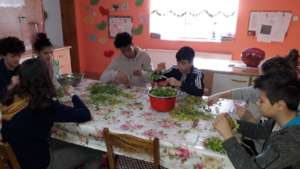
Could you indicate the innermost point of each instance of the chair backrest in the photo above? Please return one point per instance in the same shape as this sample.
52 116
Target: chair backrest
8 157
130 143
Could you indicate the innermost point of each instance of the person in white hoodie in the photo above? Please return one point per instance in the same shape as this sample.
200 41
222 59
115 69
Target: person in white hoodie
131 68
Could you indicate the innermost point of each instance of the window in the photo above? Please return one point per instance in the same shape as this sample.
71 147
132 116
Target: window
12 3
199 20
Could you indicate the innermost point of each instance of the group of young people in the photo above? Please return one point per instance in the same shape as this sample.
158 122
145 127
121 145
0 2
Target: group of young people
29 109
275 96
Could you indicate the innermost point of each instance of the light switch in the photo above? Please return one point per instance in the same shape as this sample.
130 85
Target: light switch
295 18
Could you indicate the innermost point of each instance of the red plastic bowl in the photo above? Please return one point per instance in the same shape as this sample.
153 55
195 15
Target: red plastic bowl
253 56
162 104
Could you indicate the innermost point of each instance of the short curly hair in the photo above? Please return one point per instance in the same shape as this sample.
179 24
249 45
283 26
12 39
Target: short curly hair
123 40
11 45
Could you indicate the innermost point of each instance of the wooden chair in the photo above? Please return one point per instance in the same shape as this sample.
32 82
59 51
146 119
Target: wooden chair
131 144
8 157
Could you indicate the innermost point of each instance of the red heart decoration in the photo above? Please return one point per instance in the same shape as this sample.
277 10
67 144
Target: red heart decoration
103 11
109 53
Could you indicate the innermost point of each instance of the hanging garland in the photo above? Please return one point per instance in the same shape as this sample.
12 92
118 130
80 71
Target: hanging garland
192 14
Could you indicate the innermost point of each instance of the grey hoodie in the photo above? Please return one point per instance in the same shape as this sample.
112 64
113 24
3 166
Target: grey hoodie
281 149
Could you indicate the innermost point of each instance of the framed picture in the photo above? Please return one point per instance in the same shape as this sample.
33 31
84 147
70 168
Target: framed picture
117 24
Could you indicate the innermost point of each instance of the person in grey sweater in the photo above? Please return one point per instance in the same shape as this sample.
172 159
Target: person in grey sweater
251 95
279 99
132 68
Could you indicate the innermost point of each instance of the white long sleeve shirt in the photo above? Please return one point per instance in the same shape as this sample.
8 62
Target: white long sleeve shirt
123 64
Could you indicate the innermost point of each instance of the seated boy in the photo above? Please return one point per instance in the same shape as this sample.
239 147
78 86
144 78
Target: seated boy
11 49
131 68
184 75
279 99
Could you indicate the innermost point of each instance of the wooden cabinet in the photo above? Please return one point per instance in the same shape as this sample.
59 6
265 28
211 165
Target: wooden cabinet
222 82
62 55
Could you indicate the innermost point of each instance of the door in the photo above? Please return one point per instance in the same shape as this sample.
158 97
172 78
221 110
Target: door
22 21
69 30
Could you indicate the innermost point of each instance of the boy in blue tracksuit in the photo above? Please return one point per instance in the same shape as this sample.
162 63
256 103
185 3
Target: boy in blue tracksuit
184 75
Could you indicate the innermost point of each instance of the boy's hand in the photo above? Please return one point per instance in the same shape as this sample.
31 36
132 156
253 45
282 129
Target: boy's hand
212 100
174 82
244 113
240 110
137 73
160 67
121 78
69 90
222 125
14 82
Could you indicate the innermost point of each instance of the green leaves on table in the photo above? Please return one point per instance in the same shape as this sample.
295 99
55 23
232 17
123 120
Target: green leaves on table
215 144
156 77
163 92
107 94
192 108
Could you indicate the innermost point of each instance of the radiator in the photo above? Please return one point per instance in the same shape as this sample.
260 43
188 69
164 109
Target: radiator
168 56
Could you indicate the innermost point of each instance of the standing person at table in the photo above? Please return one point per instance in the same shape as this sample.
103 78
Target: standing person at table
132 68
11 49
184 75
44 50
250 94
28 127
279 99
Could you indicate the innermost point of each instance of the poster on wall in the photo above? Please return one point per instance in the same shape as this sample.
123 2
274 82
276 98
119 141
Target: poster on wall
117 24
269 26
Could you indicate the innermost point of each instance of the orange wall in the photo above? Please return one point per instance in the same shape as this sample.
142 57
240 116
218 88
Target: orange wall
93 61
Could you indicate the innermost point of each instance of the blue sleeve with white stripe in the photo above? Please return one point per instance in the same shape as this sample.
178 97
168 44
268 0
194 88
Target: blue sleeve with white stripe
194 86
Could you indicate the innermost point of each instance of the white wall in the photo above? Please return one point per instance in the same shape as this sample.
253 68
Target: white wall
53 24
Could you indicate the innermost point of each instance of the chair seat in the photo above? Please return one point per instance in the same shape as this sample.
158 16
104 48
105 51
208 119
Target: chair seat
131 163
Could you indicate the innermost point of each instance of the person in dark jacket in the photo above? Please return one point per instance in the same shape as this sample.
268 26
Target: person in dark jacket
184 75
28 129
11 49
279 99
43 48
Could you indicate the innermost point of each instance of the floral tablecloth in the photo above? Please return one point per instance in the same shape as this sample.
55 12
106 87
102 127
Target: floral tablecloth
181 142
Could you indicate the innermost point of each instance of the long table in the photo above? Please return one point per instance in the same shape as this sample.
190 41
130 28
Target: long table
181 142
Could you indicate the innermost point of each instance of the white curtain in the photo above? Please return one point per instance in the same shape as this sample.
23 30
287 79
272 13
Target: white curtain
193 19
12 3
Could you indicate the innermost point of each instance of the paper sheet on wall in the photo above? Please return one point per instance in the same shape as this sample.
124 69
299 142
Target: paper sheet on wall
253 21
270 26
264 28
119 24
281 27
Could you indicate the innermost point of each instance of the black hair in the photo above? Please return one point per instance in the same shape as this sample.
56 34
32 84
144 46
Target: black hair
278 64
185 53
11 45
36 84
123 40
280 86
293 57
41 42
